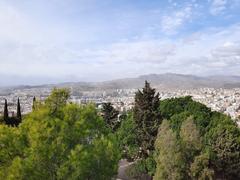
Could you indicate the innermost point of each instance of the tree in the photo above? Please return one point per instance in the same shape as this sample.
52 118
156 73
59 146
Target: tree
179 157
209 141
127 136
183 107
190 139
173 106
191 143
201 168
110 115
5 113
71 142
19 115
147 117
11 147
98 161
224 141
168 155
57 101
34 103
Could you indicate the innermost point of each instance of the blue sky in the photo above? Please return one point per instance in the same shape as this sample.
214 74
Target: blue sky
48 41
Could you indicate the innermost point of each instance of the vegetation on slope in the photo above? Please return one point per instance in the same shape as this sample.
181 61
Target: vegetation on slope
193 142
175 139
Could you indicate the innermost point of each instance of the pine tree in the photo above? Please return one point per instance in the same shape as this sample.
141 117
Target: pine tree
5 115
110 115
19 115
147 117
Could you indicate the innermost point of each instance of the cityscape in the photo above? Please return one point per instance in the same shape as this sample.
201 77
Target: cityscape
119 89
222 100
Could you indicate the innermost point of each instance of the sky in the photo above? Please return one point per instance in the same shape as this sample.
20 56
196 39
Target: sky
51 41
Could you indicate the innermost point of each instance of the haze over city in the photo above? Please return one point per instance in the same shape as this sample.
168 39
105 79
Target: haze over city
50 41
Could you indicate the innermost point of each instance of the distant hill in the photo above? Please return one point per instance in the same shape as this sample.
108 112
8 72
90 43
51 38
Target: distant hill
164 81
173 81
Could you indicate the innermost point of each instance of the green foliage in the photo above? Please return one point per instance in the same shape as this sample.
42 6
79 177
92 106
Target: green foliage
173 106
142 168
209 140
190 140
224 141
59 141
168 154
110 115
200 168
191 144
194 143
57 101
130 149
138 131
37 104
147 118
127 138
219 119
136 170
150 164
91 162
182 108
177 120
175 157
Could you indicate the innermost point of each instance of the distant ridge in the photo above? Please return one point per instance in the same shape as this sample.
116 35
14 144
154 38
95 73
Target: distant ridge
164 81
173 81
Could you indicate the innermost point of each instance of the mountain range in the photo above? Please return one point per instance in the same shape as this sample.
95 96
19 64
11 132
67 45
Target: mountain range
164 81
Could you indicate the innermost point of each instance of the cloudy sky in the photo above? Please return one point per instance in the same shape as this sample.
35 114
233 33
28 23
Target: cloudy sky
46 41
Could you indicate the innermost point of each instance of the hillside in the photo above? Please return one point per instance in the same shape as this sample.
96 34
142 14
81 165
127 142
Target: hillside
164 81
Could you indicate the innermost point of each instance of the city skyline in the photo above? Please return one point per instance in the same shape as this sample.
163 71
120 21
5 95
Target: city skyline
56 41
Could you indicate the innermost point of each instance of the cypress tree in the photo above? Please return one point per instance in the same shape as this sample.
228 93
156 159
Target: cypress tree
19 115
5 115
147 116
34 103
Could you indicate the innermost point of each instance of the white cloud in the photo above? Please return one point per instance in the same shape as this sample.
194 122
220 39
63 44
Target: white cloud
27 50
215 51
153 51
218 6
210 51
170 23
228 54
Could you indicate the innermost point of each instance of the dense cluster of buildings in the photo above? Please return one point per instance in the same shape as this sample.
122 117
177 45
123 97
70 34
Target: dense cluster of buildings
26 99
222 100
